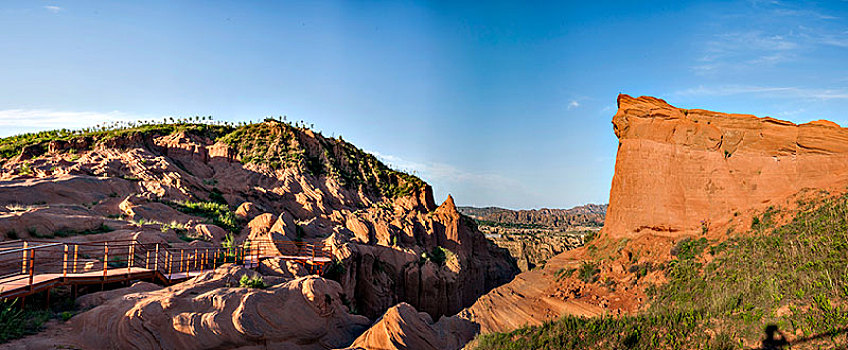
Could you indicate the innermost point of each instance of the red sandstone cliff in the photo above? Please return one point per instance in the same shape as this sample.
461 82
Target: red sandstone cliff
677 172
679 169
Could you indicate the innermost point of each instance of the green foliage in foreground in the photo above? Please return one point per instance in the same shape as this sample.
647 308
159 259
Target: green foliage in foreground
16 323
794 277
219 214
252 282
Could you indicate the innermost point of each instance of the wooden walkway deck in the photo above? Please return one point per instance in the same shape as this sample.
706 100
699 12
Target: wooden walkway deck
28 267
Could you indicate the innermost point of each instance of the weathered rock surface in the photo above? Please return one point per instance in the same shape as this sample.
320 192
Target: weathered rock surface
263 181
589 215
535 247
679 171
89 301
402 327
211 311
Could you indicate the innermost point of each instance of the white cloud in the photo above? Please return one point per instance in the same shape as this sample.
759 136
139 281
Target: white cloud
776 33
14 120
53 9
573 104
766 91
442 174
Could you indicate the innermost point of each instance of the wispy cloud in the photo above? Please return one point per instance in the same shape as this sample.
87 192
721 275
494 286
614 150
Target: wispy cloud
774 33
53 8
441 173
747 48
766 91
53 119
573 104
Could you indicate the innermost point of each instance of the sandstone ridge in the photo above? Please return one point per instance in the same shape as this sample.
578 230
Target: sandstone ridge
682 171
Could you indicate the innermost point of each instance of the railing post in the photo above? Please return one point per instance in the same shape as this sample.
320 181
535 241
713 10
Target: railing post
105 264
31 266
65 262
182 260
130 257
76 252
147 259
170 262
24 260
196 260
156 259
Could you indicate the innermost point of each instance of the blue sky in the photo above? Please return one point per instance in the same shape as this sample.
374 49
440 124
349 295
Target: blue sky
497 103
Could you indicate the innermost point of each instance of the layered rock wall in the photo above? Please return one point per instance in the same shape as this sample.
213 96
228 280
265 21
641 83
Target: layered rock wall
681 171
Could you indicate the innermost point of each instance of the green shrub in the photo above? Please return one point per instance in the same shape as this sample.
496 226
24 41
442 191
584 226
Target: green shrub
219 214
66 315
16 323
11 320
799 267
588 272
252 282
438 255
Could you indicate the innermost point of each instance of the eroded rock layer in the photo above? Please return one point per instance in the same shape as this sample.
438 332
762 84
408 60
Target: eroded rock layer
681 171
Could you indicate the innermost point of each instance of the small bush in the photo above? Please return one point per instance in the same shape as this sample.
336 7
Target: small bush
11 320
252 282
588 272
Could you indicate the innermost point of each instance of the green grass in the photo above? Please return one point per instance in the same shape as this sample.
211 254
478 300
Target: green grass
277 145
273 143
16 323
13 145
793 277
217 213
675 330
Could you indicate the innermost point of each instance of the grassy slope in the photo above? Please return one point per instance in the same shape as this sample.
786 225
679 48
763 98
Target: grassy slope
272 143
793 276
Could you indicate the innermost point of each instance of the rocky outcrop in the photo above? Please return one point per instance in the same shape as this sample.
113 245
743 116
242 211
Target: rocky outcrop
589 215
532 249
402 327
678 173
681 171
170 183
401 267
211 311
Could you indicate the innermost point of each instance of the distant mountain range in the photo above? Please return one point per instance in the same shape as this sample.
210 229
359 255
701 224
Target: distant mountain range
591 215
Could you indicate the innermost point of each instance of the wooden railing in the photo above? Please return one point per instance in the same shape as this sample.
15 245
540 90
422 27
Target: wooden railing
29 266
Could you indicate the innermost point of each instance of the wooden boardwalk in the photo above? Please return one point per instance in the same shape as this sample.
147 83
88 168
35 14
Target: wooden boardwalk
28 267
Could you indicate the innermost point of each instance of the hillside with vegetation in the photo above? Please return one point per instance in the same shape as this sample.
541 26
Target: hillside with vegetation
785 281
196 184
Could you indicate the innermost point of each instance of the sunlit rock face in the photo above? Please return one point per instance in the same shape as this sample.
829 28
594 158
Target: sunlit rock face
679 171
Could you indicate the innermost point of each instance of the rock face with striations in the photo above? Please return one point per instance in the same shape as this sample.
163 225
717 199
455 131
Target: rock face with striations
679 171
167 183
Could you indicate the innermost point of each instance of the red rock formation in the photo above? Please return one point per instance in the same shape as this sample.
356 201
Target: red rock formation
677 173
287 183
402 327
211 311
678 170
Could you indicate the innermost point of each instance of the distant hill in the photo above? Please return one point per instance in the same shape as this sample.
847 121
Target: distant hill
591 215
